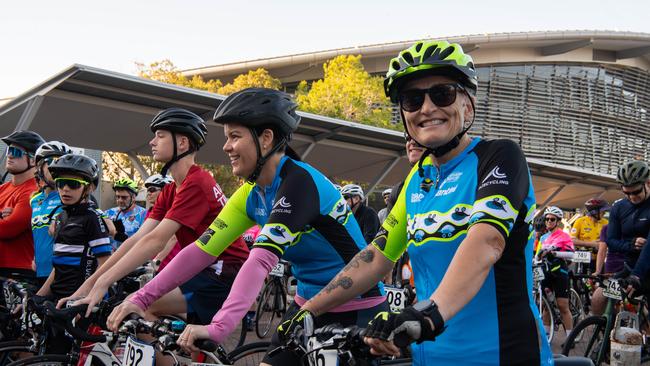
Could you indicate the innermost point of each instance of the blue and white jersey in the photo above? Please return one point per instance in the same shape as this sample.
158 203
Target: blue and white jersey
44 209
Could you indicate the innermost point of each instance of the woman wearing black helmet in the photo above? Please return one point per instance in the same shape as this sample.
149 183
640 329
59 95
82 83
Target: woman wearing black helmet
303 216
16 243
184 210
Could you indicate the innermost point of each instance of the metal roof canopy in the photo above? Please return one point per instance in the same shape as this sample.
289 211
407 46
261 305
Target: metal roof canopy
99 109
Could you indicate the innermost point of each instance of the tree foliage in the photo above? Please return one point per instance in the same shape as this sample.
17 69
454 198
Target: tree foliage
259 78
347 91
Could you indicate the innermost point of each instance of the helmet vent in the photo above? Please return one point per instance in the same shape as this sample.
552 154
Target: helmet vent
266 101
408 58
396 65
428 52
446 52
418 47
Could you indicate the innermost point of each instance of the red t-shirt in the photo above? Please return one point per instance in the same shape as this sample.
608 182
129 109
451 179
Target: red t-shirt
194 205
16 241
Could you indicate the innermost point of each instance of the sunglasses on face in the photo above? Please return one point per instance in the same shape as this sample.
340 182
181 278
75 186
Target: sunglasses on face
123 198
16 152
632 193
551 219
72 183
442 95
153 189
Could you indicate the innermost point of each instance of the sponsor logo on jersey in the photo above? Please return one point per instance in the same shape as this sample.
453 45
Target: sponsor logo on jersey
416 197
219 224
281 206
451 178
496 176
203 240
446 191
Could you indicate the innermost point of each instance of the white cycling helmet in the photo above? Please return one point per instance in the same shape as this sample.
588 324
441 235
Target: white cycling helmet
555 211
158 180
387 192
51 149
353 190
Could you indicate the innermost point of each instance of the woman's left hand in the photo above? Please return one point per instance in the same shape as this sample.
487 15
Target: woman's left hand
191 334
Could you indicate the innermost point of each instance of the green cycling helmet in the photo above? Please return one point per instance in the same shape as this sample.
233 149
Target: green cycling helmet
632 173
434 57
126 183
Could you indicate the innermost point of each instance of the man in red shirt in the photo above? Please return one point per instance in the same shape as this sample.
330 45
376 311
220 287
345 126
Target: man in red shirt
184 209
16 242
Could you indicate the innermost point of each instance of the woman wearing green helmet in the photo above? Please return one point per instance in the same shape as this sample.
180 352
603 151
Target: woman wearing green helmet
464 215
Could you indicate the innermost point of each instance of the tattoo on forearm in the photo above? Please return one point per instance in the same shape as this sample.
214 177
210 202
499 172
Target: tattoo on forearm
341 281
366 255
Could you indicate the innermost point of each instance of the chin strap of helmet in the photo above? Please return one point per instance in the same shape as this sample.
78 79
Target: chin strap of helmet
175 157
440 150
29 166
261 160
41 176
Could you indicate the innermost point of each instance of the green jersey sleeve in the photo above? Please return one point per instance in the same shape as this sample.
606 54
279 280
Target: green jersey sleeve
391 238
231 222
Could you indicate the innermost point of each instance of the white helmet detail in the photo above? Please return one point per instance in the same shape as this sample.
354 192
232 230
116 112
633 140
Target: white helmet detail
555 211
353 190
51 148
387 192
158 180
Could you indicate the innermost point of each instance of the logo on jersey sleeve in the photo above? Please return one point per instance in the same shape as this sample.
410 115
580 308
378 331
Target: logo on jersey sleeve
275 233
445 226
40 221
205 238
340 212
495 176
494 208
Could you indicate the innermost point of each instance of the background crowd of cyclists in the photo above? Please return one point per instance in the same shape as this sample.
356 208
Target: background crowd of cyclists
460 233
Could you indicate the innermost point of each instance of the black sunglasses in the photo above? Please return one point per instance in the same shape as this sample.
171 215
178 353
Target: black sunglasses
153 189
551 219
70 182
442 95
633 193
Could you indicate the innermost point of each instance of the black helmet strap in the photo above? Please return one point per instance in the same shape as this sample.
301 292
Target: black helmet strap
175 156
261 160
41 177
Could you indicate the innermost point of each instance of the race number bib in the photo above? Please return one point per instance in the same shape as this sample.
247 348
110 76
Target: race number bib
278 270
137 353
323 357
612 289
581 257
396 298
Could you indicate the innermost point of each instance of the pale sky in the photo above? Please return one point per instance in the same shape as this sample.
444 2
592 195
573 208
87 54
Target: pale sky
40 38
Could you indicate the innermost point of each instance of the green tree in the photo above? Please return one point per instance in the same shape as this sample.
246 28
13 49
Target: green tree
166 72
347 91
259 78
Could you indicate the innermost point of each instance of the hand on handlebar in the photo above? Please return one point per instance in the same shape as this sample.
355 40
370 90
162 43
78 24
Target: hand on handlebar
190 335
120 312
81 292
387 329
302 319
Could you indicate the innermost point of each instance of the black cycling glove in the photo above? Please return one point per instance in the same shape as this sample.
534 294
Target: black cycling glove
402 328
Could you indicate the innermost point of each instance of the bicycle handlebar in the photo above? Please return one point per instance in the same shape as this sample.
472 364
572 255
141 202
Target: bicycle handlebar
66 317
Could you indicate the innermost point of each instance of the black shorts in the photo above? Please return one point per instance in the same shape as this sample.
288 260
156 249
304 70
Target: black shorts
204 295
358 317
558 281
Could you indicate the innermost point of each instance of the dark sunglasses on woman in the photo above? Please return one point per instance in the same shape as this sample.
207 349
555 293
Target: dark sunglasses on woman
442 95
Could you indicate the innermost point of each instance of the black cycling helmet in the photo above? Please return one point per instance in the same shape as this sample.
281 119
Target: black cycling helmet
75 164
28 140
260 107
257 108
184 122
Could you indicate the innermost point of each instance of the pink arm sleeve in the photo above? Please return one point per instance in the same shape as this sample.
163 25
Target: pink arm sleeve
244 290
176 273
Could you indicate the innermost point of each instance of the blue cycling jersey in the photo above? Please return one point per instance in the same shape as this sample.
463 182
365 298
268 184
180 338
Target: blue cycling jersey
44 208
132 220
487 183
304 220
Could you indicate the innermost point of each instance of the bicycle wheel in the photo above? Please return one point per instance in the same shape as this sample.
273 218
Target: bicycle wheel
546 310
249 354
44 360
9 350
587 338
236 337
266 311
575 307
